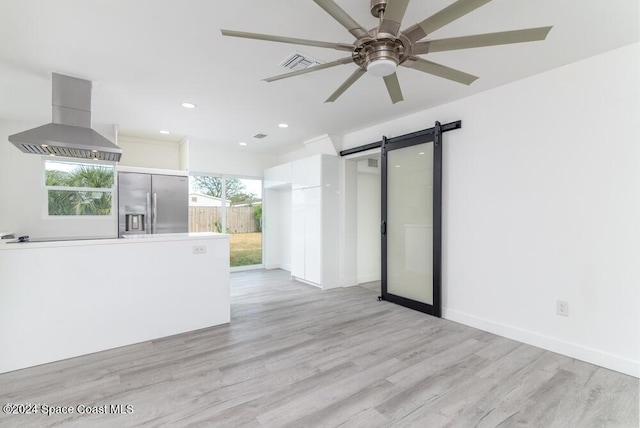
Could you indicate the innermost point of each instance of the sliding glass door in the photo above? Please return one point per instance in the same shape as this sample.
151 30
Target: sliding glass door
411 200
230 205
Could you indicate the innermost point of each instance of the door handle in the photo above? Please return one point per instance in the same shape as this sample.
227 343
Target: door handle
147 217
383 227
155 214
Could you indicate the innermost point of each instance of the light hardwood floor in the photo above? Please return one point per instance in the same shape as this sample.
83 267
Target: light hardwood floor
297 356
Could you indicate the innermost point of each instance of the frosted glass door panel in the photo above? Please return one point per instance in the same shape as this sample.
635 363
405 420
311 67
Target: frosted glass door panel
410 222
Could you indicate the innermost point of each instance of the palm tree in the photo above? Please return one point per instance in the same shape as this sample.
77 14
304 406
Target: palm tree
94 176
92 203
56 178
70 202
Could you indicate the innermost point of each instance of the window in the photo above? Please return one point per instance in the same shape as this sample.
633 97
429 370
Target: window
79 189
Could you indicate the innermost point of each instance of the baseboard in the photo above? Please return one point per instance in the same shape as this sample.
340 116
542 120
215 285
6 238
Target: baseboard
277 266
573 350
243 268
306 282
368 278
349 282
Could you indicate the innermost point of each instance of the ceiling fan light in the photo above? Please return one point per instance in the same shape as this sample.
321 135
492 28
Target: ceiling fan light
382 67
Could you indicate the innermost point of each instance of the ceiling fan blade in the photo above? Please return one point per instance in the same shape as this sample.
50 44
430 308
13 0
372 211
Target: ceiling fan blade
481 40
343 18
292 40
346 85
439 70
393 87
392 18
310 69
442 18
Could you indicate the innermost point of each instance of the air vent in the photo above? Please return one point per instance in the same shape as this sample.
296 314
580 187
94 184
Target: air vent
299 61
373 163
259 135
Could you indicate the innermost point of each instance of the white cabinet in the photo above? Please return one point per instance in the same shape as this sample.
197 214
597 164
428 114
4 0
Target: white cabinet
277 176
308 172
306 234
297 233
314 221
313 227
313 235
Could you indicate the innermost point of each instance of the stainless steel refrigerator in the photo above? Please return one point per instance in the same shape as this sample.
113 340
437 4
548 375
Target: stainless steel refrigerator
152 203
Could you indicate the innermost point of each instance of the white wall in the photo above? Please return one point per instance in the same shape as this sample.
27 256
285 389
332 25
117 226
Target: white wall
208 157
293 156
541 203
277 227
368 226
184 153
322 144
23 197
348 222
146 153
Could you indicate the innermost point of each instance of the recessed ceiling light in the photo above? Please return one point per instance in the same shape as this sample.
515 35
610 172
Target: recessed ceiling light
397 166
94 151
165 132
44 146
188 105
283 125
421 153
243 144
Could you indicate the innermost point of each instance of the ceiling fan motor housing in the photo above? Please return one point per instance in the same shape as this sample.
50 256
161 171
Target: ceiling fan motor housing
381 50
378 6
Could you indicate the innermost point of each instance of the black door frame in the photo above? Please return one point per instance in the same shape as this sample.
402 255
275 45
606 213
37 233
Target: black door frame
425 136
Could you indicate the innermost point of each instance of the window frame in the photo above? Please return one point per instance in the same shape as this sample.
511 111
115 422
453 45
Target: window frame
74 161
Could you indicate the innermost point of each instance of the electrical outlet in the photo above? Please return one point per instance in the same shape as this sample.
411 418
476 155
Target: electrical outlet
199 249
562 308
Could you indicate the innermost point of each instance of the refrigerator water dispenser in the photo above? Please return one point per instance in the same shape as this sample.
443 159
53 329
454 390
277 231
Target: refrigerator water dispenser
135 222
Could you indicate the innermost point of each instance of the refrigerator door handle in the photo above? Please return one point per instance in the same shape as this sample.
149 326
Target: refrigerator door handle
147 219
155 213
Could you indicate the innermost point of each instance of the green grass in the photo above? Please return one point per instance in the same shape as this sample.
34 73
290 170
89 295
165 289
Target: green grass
246 249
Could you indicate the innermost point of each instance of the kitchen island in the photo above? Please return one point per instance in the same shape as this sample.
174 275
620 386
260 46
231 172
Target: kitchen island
63 299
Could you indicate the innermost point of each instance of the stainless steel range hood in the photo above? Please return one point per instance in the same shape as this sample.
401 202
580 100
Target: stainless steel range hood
70 133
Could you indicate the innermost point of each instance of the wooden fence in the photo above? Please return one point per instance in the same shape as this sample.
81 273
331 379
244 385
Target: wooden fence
209 219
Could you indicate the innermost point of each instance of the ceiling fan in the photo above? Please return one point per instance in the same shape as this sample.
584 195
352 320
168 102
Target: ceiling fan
381 50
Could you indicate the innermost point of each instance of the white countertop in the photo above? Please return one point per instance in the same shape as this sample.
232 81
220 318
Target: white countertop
131 239
178 236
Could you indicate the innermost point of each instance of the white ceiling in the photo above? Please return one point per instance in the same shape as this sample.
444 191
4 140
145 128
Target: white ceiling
145 57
